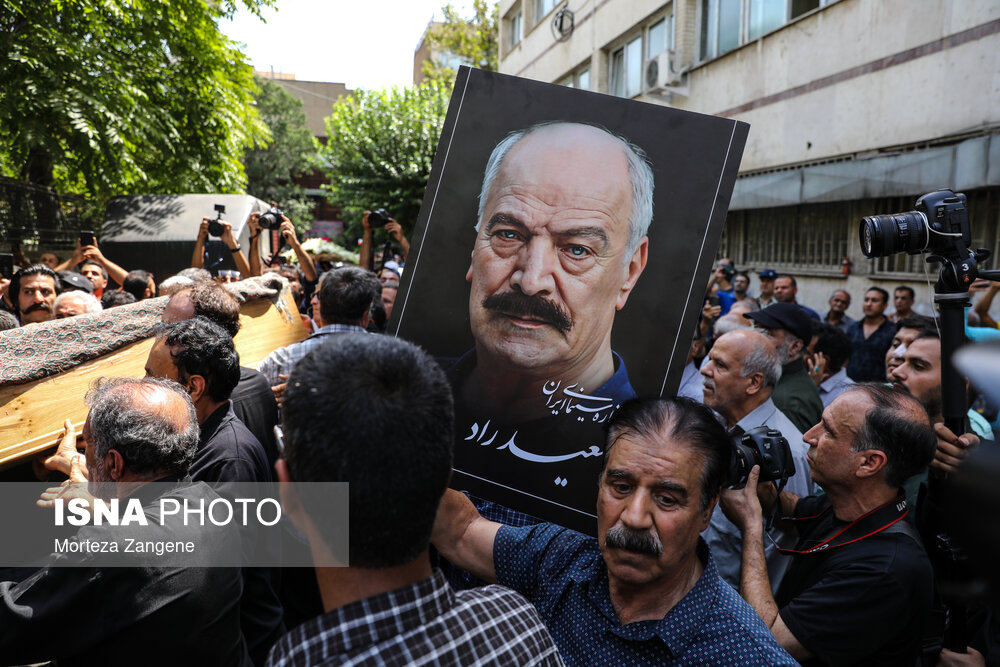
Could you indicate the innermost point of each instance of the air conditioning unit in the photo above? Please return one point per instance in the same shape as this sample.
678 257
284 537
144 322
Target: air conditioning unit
662 71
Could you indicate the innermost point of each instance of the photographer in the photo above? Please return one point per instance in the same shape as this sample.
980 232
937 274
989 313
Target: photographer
287 230
859 587
394 229
91 254
198 256
739 377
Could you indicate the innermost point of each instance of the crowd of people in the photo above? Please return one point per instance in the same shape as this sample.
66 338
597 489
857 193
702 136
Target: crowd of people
683 569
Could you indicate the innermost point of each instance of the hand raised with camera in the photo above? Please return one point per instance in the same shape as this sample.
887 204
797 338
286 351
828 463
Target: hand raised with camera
742 506
394 229
364 221
227 235
254 224
203 230
288 232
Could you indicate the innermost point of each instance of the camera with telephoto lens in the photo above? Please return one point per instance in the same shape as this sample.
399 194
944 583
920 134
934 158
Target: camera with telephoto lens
271 218
764 447
939 219
378 218
215 227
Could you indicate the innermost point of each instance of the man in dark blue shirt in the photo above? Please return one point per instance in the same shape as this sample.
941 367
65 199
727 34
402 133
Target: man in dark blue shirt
647 590
870 339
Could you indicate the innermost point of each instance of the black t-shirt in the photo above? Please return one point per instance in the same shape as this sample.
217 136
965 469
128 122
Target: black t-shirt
863 602
254 405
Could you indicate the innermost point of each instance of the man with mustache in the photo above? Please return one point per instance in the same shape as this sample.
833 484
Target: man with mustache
560 244
33 291
646 590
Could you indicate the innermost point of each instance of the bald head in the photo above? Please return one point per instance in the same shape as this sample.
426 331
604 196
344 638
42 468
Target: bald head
583 146
149 422
740 375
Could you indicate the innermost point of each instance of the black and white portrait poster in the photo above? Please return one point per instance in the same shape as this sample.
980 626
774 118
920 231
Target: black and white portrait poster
558 269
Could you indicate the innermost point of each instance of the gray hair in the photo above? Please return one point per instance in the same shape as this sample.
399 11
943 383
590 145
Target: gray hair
91 303
147 442
640 173
729 322
762 358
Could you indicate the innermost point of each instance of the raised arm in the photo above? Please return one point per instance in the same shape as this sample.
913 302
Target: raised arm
367 239
396 231
234 247
198 256
464 537
292 239
256 268
985 303
115 272
743 508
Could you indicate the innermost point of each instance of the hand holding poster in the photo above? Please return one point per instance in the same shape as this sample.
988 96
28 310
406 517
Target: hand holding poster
586 204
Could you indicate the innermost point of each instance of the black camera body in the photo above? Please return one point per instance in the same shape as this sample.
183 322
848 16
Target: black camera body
271 218
764 447
215 227
378 218
938 224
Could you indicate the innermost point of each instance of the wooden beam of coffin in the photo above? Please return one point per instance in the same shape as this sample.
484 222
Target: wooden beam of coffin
32 414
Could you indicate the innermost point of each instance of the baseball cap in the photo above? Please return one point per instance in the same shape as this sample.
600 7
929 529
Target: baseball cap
71 280
788 316
769 274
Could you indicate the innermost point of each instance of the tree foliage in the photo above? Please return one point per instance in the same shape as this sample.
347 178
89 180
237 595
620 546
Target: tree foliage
291 151
105 97
380 150
474 40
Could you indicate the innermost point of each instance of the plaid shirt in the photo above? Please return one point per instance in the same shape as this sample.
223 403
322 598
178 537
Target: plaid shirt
283 360
423 623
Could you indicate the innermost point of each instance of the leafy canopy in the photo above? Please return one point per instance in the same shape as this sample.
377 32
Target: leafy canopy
107 97
291 151
474 41
380 149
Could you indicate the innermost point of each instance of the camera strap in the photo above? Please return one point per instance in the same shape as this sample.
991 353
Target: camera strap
881 519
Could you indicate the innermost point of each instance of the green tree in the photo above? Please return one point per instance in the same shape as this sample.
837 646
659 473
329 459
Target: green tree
380 149
474 40
291 151
105 97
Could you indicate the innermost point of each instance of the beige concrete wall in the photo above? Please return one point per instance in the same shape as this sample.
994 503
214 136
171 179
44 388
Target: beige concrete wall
947 92
317 100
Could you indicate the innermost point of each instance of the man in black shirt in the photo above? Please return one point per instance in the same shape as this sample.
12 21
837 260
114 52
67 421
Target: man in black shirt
137 431
200 355
859 587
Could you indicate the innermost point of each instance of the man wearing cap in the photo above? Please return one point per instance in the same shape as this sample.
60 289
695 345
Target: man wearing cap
796 394
70 281
766 297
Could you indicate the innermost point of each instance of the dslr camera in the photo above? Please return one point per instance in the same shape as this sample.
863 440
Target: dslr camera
215 227
938 224
271 218
764 447
378 218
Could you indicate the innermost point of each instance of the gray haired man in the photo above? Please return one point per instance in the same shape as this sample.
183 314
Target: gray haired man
740 375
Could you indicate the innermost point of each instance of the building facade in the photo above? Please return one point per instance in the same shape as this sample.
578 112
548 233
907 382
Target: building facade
856 107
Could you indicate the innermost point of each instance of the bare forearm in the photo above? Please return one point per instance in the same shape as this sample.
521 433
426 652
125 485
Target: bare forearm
464 537
365 257
115 272
404 246
305 263
255 264
755 585
198 256
241 263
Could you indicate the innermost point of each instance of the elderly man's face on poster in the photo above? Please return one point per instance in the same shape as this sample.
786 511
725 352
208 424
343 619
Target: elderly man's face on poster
552 262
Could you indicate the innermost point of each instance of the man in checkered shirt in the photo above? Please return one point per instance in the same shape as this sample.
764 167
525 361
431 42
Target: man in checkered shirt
342 304
377 412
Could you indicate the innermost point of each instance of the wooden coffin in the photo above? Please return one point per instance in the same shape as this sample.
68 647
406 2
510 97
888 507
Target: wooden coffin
32 414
